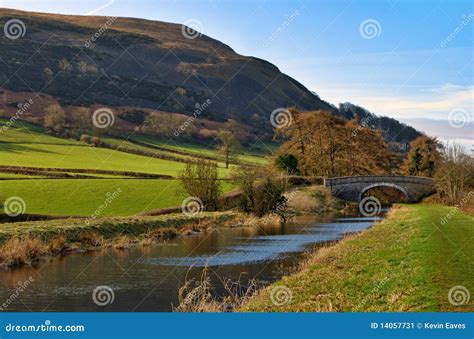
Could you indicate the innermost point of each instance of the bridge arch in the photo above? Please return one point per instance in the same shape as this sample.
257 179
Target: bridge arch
384 184
353 188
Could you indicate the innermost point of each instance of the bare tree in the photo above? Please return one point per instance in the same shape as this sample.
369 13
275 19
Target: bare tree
454 173
228 146
200 180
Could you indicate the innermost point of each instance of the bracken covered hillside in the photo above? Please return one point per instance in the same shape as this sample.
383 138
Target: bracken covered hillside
142 63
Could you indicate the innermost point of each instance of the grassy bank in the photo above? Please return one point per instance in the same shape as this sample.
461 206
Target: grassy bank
316 199
26 242
409 262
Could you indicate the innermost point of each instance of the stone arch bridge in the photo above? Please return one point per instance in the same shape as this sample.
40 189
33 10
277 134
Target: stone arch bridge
353 188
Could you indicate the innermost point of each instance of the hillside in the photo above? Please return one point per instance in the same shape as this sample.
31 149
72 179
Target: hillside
146 64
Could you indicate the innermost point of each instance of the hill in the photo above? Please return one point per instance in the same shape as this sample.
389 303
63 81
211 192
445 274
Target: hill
142 63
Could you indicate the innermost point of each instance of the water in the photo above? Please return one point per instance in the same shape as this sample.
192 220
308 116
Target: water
148 278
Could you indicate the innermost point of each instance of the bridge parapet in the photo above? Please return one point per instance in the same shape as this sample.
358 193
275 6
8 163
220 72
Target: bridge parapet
353 188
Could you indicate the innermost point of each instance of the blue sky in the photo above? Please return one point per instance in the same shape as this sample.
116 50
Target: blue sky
416 65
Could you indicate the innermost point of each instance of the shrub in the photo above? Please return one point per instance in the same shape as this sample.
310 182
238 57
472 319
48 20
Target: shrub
245 179
85 138
287 163
269 197
136 117
200 179
95 141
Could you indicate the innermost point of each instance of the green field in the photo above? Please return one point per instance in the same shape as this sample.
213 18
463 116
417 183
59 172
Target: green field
26 144
409 262
255 155
82 197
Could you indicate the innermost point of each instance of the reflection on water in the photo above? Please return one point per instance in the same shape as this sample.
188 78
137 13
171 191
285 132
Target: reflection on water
148 278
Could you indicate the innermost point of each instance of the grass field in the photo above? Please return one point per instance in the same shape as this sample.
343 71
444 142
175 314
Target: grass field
26 144
82 197
255 156
409 262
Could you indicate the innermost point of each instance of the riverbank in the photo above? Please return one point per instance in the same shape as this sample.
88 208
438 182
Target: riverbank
408 262
24 243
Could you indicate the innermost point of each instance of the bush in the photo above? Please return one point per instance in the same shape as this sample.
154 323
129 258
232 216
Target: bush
269 198
200 180
245 179
287 163
136 117
95 141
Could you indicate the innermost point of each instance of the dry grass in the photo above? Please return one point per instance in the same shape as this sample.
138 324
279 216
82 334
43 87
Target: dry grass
21 250
58 245
124 242
199 295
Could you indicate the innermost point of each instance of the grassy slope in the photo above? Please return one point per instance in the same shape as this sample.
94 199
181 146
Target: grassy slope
25 144
407 263
82 197
247 156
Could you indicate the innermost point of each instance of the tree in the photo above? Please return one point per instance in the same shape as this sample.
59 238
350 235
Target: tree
327 145
64 65
83 119
228 146
269 198
287 163
200 180
168 125
454 173
54 118
245 178
424 156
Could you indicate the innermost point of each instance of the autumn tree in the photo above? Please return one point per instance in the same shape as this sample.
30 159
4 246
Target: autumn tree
423 157
54 118
327 145
228 146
